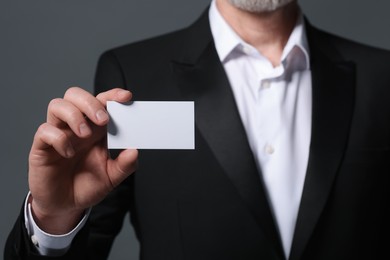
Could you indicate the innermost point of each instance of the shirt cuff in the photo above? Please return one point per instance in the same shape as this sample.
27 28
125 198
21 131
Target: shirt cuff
48 244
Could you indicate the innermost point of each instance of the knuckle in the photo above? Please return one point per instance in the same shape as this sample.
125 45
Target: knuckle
61 138
41 130
54 102
72 91
74 114
100 95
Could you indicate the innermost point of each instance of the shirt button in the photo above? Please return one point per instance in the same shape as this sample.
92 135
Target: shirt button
265 84
34 240
269 149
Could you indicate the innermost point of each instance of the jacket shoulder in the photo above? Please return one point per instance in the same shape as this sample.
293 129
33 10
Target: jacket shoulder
348 49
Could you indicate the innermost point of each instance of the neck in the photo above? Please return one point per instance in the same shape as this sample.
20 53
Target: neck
268 32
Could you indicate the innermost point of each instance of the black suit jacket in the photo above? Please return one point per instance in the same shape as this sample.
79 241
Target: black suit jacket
210 203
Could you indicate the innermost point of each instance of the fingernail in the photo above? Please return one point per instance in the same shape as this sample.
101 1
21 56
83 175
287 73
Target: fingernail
101 116
123 93
84 129
69 151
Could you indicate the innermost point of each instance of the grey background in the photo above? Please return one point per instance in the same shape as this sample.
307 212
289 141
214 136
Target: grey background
48 45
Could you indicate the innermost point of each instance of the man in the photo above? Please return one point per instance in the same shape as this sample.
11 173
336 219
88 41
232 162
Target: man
291 159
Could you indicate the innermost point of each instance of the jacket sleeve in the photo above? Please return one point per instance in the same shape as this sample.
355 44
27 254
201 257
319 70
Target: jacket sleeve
20 247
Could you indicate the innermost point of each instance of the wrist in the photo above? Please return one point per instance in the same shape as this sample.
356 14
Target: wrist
55 222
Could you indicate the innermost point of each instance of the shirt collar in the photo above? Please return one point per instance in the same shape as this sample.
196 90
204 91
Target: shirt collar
226 39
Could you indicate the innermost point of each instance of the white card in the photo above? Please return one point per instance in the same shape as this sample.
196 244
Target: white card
151 125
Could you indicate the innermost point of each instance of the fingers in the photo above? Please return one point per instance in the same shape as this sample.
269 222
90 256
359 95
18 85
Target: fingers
117 94
80 111
49 136
124 165
61 111
78 104
87 104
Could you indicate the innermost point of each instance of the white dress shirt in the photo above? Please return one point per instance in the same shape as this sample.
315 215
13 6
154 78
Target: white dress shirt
275 107
48 244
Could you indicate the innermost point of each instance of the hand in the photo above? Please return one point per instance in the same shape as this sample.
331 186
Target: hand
69 167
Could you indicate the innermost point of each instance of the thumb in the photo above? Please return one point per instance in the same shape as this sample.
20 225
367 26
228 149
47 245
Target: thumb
124 165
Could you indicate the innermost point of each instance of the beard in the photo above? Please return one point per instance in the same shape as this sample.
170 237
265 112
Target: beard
259 6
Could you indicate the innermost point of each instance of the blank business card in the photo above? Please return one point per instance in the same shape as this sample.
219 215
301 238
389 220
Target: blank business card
151 125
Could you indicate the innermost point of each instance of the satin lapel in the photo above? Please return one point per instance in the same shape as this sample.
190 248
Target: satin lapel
200 77
333 84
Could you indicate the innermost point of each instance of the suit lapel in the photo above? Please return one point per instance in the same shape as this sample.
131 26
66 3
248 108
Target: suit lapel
333 82
200 77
